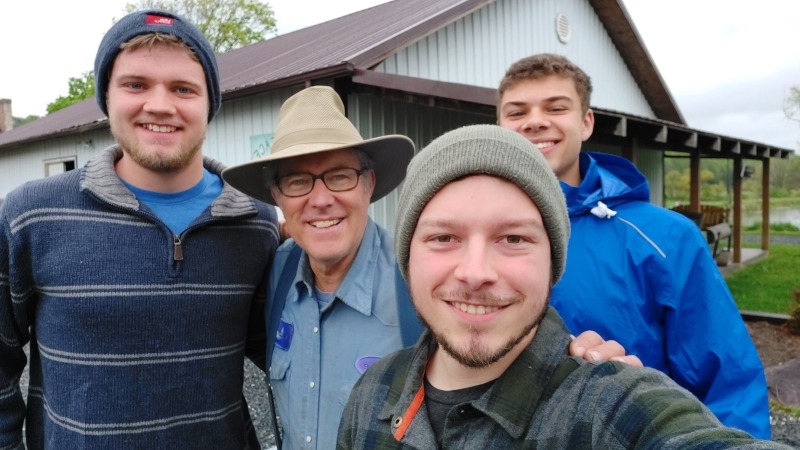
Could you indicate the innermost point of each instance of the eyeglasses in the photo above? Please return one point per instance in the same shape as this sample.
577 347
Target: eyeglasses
336 180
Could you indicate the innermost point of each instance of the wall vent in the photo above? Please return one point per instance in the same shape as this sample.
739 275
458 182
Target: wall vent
562 28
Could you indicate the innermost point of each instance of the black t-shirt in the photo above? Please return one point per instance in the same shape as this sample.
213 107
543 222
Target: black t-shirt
439 404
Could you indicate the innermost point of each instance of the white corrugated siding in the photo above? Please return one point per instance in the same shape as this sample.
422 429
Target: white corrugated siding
477 50
651 163
27 162
375 117
228 137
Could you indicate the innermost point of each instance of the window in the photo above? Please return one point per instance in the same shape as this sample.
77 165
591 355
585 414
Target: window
59 165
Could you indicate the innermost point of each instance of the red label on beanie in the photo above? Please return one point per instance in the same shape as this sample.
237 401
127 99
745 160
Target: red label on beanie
159 20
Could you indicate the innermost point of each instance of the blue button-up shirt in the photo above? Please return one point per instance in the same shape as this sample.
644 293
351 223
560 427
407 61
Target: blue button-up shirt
319 355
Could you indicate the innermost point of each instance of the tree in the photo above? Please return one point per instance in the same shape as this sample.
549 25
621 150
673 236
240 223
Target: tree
227 24
23 120
792 104
79 89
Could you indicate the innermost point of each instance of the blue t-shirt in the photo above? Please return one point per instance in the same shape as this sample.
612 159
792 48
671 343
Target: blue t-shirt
179 209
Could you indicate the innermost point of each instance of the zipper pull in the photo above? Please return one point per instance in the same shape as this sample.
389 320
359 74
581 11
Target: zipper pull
176 247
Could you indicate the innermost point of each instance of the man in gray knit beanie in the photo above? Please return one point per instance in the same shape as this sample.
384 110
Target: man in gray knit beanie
489 150
481 239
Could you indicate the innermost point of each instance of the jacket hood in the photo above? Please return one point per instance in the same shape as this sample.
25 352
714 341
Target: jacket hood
605 178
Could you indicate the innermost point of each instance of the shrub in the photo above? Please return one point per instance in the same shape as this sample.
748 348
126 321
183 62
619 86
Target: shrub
780 227
793 324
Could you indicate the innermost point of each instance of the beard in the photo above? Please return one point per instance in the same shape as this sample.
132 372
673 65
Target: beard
475 354
153 161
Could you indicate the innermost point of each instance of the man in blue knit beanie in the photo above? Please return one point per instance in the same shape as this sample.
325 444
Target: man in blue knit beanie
138 280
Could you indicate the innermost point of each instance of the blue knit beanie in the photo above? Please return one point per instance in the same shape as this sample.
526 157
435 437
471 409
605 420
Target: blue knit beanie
155 21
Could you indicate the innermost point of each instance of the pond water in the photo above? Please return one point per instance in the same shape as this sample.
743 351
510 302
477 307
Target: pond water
776 215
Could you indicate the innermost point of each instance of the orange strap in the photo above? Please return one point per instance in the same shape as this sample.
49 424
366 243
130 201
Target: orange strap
410 413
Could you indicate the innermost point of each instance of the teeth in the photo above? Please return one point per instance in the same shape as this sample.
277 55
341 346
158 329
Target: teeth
478 310
325 223
543 145
159 128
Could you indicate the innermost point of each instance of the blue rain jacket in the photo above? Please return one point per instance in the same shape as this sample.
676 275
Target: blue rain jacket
644 276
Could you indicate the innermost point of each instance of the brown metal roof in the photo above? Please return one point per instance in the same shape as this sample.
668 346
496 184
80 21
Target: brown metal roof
79 117
357 41
611 127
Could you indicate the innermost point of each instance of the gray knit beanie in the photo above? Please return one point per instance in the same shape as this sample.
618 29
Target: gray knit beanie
489 150
155 21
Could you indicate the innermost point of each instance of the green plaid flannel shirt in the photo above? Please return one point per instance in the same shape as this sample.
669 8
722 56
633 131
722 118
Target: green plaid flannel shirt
605 405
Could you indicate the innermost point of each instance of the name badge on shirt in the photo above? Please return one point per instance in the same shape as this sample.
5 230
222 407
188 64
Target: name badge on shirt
283 339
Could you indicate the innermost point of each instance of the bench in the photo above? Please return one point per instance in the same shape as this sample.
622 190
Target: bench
713 221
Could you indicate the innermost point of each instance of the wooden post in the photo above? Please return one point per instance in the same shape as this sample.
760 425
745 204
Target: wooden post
694 184
737 210
765 204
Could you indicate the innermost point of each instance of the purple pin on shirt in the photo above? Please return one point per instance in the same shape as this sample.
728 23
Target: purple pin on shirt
363 363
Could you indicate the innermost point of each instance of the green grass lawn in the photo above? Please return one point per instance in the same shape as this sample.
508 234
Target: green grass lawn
768 285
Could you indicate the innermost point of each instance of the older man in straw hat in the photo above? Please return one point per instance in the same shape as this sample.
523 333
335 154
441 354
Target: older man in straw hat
344 303
339 313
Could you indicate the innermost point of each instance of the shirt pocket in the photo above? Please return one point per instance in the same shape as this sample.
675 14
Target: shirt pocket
279 365
279 380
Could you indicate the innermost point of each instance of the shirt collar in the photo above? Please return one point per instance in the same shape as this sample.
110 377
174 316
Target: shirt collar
356 289
512 404
508 402
101 179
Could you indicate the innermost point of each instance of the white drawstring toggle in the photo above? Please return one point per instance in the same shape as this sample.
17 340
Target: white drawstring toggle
602 211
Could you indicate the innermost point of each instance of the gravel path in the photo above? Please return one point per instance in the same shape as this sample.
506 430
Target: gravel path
255 391
785 429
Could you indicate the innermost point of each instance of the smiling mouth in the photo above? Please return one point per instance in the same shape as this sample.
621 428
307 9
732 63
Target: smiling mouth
545 145
476 310
325 223
159 128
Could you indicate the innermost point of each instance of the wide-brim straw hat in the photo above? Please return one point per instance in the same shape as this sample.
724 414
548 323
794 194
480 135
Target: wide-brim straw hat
313 121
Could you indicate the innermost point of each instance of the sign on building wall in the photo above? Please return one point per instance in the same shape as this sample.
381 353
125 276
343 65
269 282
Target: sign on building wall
260 145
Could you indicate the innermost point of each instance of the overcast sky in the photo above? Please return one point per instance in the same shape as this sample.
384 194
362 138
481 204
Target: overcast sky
727 63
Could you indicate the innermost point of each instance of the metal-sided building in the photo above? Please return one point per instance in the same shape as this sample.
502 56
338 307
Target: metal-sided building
419 68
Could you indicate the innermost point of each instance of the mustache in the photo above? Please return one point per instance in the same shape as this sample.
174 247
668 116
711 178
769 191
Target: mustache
482 297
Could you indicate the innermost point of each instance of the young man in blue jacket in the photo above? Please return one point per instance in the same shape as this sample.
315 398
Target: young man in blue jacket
636 272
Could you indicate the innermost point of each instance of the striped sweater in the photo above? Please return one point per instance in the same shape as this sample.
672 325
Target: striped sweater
137 336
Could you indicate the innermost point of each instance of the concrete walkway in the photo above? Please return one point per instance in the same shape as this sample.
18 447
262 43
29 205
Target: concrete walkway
753 255
749 256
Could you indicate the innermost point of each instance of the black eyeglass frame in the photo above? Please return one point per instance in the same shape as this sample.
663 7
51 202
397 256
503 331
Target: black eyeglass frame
321 177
